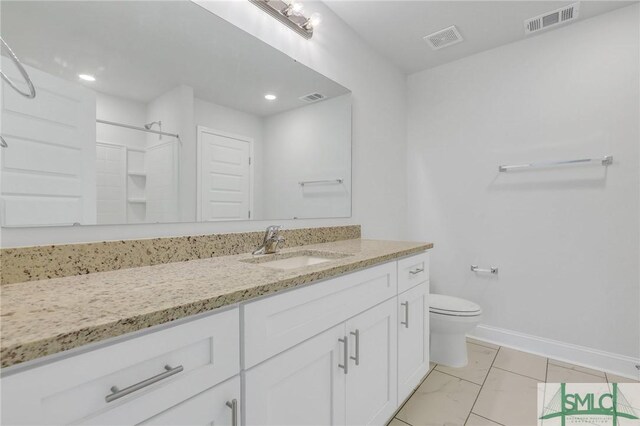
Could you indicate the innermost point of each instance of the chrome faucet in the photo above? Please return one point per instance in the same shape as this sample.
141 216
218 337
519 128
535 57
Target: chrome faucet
271 241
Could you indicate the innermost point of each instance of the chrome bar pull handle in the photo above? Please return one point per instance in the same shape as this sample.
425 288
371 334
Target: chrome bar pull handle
314 182
357 336
492 270
345 366
119 393
233 404
406 314
416 271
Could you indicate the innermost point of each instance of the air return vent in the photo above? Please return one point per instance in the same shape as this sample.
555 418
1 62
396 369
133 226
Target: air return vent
312 97
443 38
551 19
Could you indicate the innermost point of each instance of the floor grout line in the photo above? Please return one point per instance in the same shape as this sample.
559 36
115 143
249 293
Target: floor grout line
546 372
521 375
395 415
482 386
402 421
460 378
486 418
579 371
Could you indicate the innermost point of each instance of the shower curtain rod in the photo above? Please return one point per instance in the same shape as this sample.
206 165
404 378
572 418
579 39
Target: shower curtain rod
142 129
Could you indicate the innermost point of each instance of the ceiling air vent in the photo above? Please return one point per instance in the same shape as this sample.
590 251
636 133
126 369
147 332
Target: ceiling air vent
312 97
443 38
551 19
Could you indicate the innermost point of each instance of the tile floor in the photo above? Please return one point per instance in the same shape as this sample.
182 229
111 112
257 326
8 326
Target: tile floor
497 387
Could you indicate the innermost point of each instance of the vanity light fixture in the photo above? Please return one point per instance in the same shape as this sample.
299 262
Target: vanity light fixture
270 97
86 77
290 13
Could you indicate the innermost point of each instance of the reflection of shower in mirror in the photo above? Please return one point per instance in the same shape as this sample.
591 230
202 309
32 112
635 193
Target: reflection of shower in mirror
148 126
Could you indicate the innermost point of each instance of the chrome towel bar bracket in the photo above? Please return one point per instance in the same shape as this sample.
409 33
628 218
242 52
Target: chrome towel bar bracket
492 270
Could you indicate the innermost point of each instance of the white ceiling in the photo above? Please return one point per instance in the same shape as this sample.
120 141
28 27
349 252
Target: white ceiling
396 28
141 49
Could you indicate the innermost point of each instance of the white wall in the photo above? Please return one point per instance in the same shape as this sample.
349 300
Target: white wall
379 109
565 240
379 132
175 109
308 144
120 110
236 122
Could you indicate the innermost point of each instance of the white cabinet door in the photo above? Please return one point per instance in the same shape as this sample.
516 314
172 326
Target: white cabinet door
372 378
207 408
277 323
302 386
413 339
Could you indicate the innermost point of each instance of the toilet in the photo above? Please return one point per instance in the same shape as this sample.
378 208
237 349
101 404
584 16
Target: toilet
450 319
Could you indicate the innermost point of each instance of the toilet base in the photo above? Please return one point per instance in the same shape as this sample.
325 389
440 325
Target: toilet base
449 338
448 349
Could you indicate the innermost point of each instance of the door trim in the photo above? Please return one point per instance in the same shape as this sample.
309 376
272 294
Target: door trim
200 130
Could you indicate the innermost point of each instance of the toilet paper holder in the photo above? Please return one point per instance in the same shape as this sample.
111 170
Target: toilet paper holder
492 270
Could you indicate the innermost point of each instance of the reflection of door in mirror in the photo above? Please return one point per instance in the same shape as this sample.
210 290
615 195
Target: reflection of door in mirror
224 176
48 175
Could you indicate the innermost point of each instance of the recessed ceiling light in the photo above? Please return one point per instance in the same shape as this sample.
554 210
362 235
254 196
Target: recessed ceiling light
270 97
86 77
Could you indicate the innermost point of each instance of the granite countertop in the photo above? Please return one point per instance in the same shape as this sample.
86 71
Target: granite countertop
40 318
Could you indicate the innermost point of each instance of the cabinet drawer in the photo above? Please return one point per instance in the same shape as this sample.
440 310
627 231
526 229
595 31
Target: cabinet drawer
279 322
208 408
200 353
412 271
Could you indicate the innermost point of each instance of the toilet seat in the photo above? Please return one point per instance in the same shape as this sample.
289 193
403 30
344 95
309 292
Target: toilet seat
452 306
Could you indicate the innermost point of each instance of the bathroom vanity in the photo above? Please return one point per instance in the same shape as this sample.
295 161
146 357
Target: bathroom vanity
223 340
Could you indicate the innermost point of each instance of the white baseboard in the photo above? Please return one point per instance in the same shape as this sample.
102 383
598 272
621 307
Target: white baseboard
620 365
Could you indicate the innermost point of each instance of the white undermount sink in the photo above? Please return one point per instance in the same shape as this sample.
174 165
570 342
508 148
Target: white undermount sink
295 260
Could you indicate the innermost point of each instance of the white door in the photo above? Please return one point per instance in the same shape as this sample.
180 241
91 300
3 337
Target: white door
208 408
413 339
224 176
372 379
111 184
301 386
49 168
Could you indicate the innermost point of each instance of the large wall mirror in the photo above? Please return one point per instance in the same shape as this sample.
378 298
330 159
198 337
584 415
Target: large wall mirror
160 111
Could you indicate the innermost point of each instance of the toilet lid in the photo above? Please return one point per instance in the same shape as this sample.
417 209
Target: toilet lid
448 305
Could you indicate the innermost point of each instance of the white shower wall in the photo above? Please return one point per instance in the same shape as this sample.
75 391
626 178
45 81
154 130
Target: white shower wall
566 240
111 191
170 191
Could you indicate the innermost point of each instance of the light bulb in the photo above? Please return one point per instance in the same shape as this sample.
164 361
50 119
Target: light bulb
293 7
86 77
270 97
315 19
